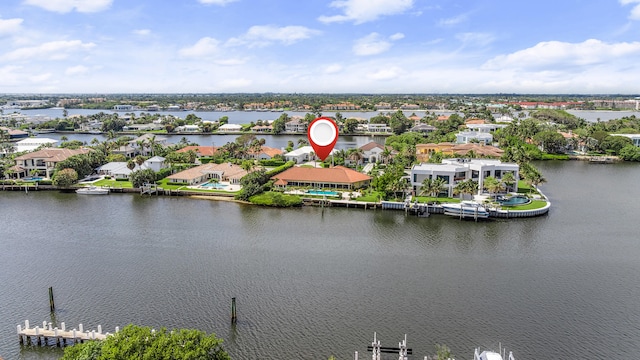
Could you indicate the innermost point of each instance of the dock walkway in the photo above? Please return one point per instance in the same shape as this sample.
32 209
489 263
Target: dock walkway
60 335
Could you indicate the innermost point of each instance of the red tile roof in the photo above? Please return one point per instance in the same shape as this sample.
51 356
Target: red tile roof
200 150
336 174
52 154
371 145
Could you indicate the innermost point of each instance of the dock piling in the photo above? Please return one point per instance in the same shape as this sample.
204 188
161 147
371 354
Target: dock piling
52 305
234 317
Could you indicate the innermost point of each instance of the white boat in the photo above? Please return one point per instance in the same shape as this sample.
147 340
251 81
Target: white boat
490 355
92 190
466 209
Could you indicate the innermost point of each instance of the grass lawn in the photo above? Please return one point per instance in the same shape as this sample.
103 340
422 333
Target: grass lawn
374 196
534 204
114 184
525 188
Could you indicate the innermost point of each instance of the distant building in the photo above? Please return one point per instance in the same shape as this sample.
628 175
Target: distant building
634 137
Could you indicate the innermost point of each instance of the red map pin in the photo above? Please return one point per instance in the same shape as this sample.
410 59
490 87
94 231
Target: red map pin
323 135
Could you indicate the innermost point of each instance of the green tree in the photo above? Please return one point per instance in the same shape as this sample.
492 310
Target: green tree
141 177
134 342
630 153
492 185
551 141
65 178
613 144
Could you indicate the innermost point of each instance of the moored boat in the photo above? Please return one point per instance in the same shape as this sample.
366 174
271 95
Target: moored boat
466 209
490 355
92 190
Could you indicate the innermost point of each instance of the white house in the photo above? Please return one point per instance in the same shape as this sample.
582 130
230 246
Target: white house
230 128
485 128
378 128
188 128
456 170
302 154
465 137
119 170
30 144
295 125
371 152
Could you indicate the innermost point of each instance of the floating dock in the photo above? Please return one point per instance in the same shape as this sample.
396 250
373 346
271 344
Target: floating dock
60 336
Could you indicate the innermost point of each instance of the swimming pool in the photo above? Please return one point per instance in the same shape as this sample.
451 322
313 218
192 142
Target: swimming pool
514 200
32 178
214 185
321 192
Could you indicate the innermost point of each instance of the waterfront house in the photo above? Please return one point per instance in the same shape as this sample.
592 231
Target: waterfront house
372 152
119 169
337 177
43 161
465 137
295 125
15 133
203 173
143 127
265 153
188 129
142 144
31 144
199 150
423 128
456 170
302 154
230 128
424 151
378 128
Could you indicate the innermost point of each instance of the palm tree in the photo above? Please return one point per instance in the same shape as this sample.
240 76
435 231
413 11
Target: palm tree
509 179
385 154
139 160
426 188
492 185
131 165
356 154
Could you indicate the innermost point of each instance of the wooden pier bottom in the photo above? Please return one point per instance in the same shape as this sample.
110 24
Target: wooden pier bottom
61 336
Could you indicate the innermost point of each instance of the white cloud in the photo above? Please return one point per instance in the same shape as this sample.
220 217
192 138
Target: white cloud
554 54
361 11
374 44
264 35
385 73
371 44
475 39
203 48
396 36
635 11
76 70
231 62
54 50
10 26
40 78
216 2
142 32
453 20
65 6
333 68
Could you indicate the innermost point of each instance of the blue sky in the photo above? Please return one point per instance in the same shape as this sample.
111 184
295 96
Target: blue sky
328 46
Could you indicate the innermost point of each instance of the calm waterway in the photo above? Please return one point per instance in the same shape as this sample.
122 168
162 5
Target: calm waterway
311 283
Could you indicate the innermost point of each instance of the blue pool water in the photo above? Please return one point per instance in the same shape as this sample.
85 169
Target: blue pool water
32 178
214 185
515 200
322 192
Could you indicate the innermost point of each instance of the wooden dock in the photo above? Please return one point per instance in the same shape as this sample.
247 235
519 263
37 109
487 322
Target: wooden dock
60 336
